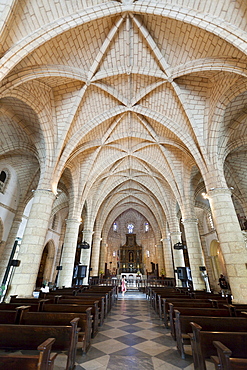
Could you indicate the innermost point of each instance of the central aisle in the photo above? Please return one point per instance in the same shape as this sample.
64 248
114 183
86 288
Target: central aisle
133 338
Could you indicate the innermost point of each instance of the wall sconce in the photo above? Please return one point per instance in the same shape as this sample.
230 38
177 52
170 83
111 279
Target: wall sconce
83 245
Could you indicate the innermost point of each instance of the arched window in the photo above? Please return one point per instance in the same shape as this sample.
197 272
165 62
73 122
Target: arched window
3 178
210 221
146 227
130 228
114 226
54 222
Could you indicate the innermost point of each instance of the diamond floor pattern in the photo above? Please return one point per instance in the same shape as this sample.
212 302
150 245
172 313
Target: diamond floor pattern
132 338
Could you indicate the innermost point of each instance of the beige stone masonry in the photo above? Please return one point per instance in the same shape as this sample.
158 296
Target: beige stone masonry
86 253
69 250
32 245
194 251
231 241
178 256
169 270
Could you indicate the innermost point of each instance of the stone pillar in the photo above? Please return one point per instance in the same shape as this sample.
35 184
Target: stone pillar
86 253
160 257
69 251
32 245
231 241
9 245
194 251
168 261
178 255
103 256
95 253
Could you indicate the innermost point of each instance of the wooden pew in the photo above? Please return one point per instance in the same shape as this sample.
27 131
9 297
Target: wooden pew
75 308
203 348
224 359
100 302
162 308
8 317
98 296
34 307
194 311
182 326
29 337
62 319
12 316
41 361
207 303
22 300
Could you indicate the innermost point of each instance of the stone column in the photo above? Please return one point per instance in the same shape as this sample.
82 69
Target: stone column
86 253
231 241
9 245
168 261
95 253
194 251
32 245
160 256
178 255
103 256
69 251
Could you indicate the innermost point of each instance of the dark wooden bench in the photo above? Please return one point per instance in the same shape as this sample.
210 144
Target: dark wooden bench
97 296
203 348
30 301
194 311
225 360
207 303
183 327
12 316
101 298
62 319
41 361
100 302
34 307
156 295
8 317
75 308
29 337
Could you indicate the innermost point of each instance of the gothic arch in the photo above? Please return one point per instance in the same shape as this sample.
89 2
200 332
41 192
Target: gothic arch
46 264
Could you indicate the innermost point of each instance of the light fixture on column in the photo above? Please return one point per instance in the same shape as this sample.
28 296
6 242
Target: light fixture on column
179 246
83 245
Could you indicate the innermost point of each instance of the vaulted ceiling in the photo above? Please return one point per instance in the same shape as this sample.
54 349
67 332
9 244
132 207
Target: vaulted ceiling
122 104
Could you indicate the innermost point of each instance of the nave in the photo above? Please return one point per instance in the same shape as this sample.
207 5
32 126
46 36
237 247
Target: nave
132 337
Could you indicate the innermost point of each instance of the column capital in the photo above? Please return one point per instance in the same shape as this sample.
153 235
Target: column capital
88 232
168 239
217 191
41 191
71 220
190 220
175 233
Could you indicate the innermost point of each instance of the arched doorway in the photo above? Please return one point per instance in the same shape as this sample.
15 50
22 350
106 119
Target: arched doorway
40 277
218 264
46 264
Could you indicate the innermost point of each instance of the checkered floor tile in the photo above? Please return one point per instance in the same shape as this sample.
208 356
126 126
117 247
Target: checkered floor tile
132 337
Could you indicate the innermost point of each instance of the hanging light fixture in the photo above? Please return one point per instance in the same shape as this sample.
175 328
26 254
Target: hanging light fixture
83 245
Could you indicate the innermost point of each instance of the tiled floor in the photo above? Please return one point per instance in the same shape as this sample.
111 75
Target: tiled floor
133 338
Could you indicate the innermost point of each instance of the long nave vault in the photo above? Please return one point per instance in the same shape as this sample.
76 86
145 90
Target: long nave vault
118 113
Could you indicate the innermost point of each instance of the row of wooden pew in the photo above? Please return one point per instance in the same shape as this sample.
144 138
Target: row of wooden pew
214 328
54 322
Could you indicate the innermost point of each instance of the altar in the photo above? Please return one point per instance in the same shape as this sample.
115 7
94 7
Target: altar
132 279
131 276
